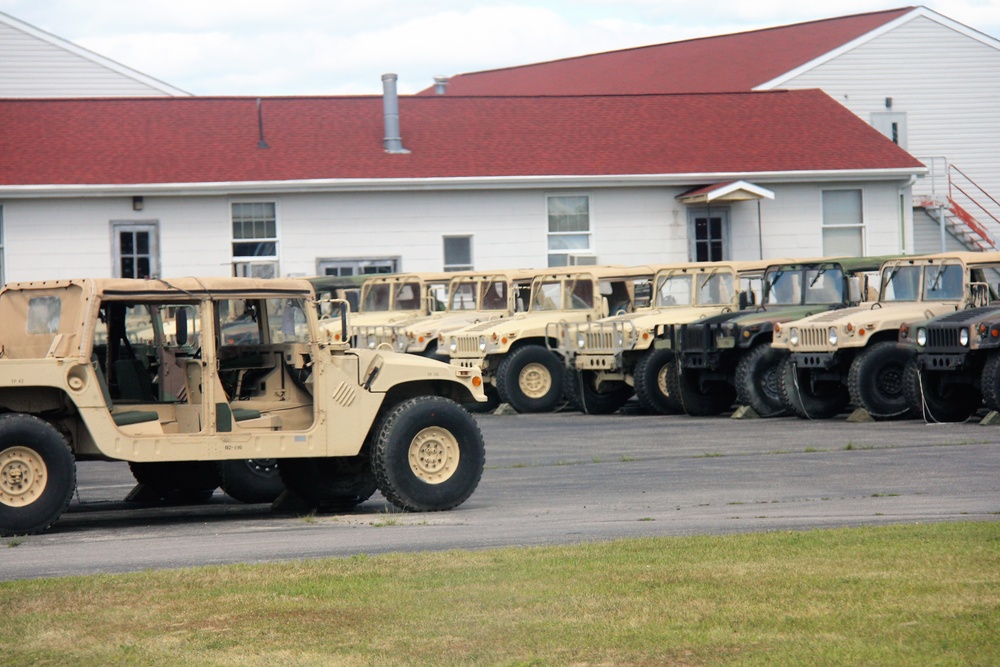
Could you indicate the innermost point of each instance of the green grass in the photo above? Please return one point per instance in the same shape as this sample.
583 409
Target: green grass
909 595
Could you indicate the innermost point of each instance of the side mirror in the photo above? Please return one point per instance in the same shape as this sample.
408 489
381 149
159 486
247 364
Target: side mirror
744 300
854 289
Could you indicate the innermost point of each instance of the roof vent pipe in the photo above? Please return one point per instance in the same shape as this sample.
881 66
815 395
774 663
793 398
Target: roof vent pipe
440 85
392 142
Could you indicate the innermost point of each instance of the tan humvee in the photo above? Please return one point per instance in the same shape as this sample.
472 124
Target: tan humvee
472 297
392 299
610 357
852 355
189 378
516 355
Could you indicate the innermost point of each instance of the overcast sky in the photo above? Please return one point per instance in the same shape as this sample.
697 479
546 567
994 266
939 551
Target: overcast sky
341 47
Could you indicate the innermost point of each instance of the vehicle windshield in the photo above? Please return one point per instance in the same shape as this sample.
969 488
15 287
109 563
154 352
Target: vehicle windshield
547 296
824 285
943 283
376 298
463 296
407 296
715 289
564 295
673 290
494 295
783 287
940 282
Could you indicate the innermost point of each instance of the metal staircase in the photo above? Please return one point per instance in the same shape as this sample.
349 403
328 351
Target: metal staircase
970 214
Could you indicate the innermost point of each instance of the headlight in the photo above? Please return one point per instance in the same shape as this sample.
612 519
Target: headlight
372 341
921 336
793 336
832 337
581 340
620 340
453 345
963 337
482 343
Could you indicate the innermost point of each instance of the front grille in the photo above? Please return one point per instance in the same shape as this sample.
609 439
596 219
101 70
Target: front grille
814 336
695 338
946 337
599 341
467 345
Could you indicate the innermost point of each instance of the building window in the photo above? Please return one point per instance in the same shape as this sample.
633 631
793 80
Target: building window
457 253
255 240
136 248
569 228
327 266
843 223
709 234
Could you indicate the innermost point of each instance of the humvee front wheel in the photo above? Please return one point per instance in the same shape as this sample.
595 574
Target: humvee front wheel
651 383
809 400
530 379
428 455
990 381
37 475
938 401
876 380
758 381
251 480
700 398
579 389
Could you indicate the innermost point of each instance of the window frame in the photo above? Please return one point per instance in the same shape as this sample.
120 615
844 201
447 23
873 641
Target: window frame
860 226
250 265
550 235
152 227
458 266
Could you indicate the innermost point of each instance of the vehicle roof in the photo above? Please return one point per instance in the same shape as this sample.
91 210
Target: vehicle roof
424 276
598 272
966 257
848 263
188 285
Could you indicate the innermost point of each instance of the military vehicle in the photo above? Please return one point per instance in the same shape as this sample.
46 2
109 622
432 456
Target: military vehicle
853 355
516 355
606 359
945 379
390 299
472 297
146 371
729 357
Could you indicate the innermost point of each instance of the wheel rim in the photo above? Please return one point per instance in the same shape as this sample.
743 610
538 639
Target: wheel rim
771 384
890 380
23 476
434 454
263 467
661 380
535 380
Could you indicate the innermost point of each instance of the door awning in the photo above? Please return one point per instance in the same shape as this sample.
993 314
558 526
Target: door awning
727 191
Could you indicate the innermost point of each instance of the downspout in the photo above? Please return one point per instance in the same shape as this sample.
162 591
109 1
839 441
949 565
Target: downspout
902 212
392 142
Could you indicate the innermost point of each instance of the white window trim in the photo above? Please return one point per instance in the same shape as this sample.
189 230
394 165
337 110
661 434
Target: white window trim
590 249
863 225
695 212
153 226
358 262
472 253
275 259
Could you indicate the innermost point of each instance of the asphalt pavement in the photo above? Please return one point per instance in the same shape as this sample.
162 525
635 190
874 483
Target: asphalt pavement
561 479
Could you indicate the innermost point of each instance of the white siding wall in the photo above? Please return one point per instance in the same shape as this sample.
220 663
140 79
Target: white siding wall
946 82
62 238
34 67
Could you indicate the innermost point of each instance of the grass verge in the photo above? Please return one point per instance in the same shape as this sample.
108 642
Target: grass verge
913 595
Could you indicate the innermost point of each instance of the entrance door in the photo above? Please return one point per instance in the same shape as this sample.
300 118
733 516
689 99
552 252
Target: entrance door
708 231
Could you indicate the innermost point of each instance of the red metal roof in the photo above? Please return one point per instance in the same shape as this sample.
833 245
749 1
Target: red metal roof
725 63
210 140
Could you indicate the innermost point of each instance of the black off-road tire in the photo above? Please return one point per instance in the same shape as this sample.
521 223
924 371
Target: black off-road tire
936 400
876 381
990 381
182 482
491 404
530 379
699 401
801 399
431 352
428 455
651 390
37 475
330 483
579 389
251 480
758 381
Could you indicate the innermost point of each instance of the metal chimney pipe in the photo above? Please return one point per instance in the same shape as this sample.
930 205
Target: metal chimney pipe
392 142
440 85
